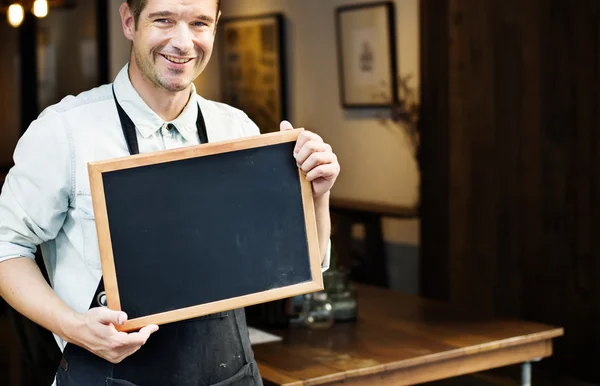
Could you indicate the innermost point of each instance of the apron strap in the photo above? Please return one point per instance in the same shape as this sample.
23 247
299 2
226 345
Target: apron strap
130 134
128 128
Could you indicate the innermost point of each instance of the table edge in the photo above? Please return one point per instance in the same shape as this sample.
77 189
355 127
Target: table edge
496 345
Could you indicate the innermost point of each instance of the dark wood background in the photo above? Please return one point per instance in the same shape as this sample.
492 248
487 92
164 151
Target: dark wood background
511 164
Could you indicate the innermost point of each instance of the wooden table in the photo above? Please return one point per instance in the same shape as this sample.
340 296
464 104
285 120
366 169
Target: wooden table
400 339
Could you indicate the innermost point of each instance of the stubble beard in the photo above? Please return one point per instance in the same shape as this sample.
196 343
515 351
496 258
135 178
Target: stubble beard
148 69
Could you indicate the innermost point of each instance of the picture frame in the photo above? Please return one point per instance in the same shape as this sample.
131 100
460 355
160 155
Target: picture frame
178 240
253 67
367 62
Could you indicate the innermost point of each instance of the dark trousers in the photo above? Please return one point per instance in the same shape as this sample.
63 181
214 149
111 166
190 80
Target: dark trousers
213 350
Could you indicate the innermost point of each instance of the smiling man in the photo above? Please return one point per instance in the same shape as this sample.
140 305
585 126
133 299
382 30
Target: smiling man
152 105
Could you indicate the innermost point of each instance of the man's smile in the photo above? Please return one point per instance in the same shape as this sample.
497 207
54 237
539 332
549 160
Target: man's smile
176 60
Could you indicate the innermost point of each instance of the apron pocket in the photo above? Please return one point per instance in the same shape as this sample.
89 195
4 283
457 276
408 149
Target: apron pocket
118 382
244 372
218 315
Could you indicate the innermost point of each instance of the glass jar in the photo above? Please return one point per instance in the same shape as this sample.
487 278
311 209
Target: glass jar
341 295
317 311
344 305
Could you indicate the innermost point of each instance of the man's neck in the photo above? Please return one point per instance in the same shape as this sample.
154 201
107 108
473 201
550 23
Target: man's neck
166 104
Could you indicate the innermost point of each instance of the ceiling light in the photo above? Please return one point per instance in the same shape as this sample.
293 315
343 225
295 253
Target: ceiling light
15 15
40 8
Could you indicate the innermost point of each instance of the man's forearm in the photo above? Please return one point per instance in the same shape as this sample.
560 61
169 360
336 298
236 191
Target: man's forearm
25 289
323 223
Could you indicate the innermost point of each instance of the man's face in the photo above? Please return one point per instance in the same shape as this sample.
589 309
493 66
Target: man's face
173 41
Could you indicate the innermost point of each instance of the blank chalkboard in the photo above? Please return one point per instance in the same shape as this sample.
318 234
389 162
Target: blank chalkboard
209 228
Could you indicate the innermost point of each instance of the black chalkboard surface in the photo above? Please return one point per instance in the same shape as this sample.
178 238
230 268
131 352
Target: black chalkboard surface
194 231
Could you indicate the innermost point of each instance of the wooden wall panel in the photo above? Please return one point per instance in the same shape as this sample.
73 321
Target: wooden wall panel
472 151
518 165
434 151
10 129
507 40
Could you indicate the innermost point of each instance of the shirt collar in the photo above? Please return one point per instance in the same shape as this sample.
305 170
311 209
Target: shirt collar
146 121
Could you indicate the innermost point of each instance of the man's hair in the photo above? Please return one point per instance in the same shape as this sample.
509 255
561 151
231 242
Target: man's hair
137 6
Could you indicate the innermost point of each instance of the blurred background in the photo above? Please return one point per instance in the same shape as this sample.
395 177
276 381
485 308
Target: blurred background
467 168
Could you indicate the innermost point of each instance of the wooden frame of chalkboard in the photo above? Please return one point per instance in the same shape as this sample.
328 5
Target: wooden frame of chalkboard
105 218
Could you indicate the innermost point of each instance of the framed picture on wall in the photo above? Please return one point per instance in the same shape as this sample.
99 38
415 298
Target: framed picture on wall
253 68
366 43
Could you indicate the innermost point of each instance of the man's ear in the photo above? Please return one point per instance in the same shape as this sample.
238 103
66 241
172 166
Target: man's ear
127 21
217 22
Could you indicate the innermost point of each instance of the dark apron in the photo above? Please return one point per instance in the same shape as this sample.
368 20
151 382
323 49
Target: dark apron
212 350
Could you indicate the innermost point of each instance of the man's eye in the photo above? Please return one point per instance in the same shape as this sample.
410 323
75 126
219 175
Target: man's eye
162 21
199 24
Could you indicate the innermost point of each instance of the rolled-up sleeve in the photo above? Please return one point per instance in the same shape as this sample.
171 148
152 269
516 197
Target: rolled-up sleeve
327 261
36 193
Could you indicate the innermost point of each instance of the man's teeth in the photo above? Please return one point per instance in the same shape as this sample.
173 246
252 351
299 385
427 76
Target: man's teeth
176 60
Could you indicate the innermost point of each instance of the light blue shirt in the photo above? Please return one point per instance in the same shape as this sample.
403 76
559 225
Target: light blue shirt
46 197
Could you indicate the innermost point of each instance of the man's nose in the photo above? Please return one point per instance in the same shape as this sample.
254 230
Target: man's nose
182 38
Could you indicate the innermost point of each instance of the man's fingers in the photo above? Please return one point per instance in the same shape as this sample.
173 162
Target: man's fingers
124 344
148 330
326 171
310 148
107 316
285 125
104 340
128 343
316 159
306 136
142 335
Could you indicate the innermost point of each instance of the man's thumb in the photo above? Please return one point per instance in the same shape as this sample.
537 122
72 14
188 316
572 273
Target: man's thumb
107 316
285 125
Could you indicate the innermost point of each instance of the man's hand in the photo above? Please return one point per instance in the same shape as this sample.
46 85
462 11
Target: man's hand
316 159
96 333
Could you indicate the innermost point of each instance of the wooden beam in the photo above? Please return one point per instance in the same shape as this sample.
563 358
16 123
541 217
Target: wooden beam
434 156
380 208
29 71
